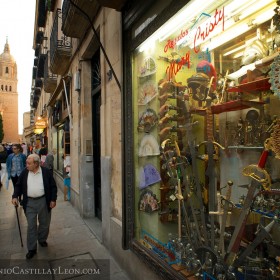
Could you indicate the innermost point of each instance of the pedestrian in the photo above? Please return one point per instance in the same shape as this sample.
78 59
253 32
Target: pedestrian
43 153
3 158
8 148
39 191
15 163
24 148
49 160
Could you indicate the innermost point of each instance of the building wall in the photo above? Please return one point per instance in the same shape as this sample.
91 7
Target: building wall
108 24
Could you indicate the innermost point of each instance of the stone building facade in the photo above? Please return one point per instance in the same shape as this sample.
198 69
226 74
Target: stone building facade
76 92
9 95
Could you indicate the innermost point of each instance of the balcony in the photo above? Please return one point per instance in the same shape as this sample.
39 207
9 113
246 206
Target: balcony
34 100
41 64
60 47
39 37
71 15
50 79
37 50
38 83
34 72
41 20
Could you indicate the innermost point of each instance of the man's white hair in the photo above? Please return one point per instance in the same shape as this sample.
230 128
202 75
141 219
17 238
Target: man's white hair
35 158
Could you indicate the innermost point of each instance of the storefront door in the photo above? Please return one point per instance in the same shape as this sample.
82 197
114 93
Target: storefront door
96 102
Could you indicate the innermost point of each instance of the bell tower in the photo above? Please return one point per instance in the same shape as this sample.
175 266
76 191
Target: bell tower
9 95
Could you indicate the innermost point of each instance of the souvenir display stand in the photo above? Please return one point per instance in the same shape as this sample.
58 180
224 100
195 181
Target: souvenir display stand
207 155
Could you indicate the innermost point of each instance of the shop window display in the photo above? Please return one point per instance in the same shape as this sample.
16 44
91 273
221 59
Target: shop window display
206 140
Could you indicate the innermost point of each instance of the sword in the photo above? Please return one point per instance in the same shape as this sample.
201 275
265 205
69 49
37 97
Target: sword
210 172
224 218
179 196
240 226
191 144
261 234
180 199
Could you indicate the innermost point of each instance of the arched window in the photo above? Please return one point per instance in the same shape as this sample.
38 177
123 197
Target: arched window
7 70
2 87
10 88
6 88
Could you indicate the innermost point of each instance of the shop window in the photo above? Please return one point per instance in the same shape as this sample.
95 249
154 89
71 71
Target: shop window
60 149
57 113
205 95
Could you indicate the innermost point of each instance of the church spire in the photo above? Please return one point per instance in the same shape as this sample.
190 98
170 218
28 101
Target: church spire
7 47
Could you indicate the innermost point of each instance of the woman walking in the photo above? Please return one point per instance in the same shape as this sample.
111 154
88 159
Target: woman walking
15 163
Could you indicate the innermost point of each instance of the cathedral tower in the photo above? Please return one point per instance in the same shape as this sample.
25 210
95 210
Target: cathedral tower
9 95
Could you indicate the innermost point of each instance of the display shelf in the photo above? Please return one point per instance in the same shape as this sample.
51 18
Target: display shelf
257 85
235 105
241 147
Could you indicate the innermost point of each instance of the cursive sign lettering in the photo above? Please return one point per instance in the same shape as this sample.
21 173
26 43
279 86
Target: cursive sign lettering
171 44
175 67
203 32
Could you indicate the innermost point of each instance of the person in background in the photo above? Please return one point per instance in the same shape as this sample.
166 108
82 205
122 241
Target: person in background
49 160
15 164
24 148
43 153
30 149
39 191
3 157
8 149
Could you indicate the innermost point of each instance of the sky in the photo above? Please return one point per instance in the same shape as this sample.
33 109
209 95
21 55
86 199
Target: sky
17 24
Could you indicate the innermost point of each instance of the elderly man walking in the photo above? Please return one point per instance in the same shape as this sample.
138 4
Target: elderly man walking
39 191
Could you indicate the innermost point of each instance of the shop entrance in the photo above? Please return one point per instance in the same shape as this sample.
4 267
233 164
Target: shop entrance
96 102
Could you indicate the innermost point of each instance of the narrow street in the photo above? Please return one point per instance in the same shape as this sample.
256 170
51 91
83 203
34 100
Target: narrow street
73 251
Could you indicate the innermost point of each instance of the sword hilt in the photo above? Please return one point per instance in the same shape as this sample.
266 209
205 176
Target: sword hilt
258 174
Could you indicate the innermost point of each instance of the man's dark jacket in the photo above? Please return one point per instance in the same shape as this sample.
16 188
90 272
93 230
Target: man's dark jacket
49 186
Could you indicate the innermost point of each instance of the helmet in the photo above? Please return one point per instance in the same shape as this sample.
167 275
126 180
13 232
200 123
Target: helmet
198 85
255 51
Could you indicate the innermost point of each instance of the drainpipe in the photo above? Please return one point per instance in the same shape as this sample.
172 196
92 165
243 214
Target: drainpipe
67 103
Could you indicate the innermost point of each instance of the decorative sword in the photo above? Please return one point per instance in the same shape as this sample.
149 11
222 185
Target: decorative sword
260 177
261 234
210 171
191 143
224 218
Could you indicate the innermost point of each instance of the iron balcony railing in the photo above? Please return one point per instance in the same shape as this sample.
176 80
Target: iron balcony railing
50 79
60 47
71 16
41 64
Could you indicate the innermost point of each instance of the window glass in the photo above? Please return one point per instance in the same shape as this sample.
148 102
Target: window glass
203 109
55 146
